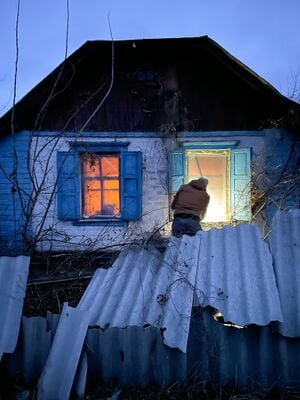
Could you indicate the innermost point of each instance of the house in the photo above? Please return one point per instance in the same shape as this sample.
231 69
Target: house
99 146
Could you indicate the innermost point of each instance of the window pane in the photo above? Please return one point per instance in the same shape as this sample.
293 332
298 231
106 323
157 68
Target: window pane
101 193
214 166
111 198
110 166
91 167
92 198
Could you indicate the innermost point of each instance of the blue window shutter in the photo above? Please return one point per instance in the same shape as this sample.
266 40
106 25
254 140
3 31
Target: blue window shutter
131 185
240 185
177 171
68 201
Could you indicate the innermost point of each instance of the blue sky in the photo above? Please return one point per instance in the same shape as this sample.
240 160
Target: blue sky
264 34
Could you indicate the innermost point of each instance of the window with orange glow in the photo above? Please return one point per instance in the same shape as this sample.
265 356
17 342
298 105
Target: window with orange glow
100 185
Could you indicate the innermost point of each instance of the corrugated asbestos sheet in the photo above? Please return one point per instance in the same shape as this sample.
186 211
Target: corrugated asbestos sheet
13 279
285 248
34 344
253 357
235 275
134 355
149 293
229 269
145 288
58 375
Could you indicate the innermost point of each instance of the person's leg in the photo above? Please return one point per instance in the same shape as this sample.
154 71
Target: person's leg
193 227
185 226
178 227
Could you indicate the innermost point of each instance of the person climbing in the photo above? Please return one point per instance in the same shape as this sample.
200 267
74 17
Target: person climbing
189 205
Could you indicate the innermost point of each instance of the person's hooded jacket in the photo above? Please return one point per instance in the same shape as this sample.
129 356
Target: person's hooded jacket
191 198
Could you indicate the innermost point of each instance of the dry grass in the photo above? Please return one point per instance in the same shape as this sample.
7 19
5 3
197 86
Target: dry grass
189 391
58 278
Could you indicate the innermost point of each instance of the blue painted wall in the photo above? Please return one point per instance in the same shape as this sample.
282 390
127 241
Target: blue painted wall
11 216
280 152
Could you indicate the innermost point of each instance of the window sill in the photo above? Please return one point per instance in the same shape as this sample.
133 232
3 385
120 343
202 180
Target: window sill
100 222
206 226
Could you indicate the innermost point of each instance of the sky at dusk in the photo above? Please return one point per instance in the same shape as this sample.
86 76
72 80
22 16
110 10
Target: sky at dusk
263 34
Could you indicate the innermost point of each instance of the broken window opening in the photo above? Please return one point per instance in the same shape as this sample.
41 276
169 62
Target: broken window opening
215 166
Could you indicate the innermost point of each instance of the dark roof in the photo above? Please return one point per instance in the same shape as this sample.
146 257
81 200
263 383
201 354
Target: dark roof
31 103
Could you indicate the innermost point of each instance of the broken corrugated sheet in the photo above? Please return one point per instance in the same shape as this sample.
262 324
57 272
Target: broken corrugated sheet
253 357
235 275
13 279
58 375
133 356
81 376
37 336
215 353
34 343
229 269
145 288
285 247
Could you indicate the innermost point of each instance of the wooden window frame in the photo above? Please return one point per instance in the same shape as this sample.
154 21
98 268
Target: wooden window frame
69 189
240 175
100 179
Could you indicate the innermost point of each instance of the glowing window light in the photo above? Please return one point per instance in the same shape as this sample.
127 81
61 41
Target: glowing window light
213 165
100 185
